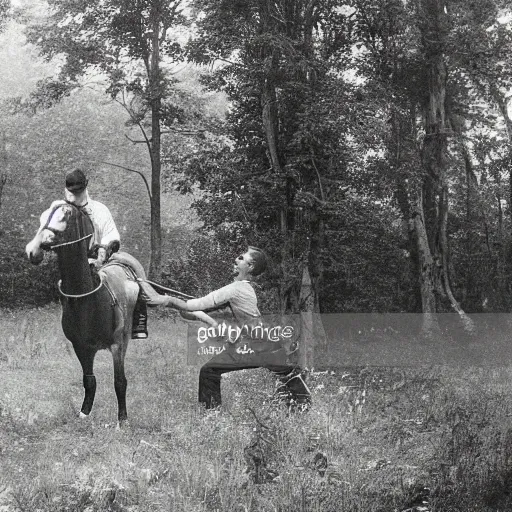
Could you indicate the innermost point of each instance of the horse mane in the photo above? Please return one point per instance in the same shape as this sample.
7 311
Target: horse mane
83 222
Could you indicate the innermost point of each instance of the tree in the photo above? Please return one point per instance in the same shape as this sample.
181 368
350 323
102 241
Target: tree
5 5
128 42
276 77
38 150
395 140
4 12
411 59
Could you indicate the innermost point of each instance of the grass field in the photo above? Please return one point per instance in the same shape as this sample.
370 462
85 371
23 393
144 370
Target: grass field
376 439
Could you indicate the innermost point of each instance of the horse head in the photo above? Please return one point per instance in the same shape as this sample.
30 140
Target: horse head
62 224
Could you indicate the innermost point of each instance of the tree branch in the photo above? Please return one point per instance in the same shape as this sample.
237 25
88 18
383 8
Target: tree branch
237 195
132 170
183 132
138 123
214 58
137 141
322 195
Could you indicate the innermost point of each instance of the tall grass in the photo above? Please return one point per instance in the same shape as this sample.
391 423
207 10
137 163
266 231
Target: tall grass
376 439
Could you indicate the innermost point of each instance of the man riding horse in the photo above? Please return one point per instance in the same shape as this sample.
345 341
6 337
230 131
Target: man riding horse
105 242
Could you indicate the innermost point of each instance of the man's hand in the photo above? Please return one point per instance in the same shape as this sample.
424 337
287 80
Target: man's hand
102 256
174 302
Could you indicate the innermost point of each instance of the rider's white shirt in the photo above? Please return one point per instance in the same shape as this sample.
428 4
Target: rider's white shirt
105 230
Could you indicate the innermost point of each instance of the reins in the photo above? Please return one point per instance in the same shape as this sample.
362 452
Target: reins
71 242
170 290
79 296
68 243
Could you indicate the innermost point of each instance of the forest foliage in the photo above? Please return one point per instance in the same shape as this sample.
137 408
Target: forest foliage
364 144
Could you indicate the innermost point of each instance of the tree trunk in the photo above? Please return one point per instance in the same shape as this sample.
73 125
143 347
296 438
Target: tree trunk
425 259
471 218
402 192
435 189
3 166
501 102
315 274
434 145
3 181
426 270
307 322
315 264
270 120
156 103
294 19
270 126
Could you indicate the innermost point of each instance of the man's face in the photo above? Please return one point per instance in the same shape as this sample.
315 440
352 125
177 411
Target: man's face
243 264
77 198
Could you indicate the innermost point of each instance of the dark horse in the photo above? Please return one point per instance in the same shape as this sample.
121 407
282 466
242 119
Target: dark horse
97 309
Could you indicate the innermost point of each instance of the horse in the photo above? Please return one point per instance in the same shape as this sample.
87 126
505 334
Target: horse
97 307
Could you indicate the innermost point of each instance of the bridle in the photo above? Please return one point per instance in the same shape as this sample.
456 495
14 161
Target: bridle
59 233
70 242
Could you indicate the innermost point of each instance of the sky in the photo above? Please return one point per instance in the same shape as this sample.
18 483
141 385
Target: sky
20 65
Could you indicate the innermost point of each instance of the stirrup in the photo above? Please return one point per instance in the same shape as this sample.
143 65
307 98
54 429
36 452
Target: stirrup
140 331
140 324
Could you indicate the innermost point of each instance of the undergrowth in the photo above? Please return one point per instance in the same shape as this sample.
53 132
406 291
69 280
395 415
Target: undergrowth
375 440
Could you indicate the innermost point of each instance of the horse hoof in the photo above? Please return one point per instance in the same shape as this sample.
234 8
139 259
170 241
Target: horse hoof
82 415
122 425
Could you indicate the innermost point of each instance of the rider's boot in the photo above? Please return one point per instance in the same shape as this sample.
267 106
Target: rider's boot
140 320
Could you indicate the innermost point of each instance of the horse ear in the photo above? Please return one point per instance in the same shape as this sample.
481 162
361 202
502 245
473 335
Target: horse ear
57 203
64 213
43 219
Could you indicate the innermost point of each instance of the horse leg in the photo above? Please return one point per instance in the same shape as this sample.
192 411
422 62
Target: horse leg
120 383
86 358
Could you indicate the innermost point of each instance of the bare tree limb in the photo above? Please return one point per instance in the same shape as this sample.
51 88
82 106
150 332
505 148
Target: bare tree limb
164 132
322 195
179 70
147 140
214 58
237 195
183 132
132 170
137 141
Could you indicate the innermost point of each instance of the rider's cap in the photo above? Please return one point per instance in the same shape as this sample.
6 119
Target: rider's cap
76 181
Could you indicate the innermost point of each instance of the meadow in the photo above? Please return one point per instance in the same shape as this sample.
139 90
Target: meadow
376 439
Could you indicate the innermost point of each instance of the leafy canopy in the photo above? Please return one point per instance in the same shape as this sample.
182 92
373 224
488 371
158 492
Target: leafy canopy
113 38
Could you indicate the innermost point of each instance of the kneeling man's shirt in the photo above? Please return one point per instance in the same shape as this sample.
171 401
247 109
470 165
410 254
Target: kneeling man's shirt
239 295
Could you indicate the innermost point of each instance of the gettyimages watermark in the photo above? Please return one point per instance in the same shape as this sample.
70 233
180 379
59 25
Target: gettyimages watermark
234 333
273 339
358 339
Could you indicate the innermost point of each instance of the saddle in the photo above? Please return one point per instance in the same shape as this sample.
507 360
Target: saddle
140 314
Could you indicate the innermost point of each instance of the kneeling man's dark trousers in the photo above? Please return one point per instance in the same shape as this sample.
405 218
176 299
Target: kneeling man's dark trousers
229 361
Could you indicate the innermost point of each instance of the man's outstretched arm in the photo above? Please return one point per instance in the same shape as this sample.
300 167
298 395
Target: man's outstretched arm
199 315
192 309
